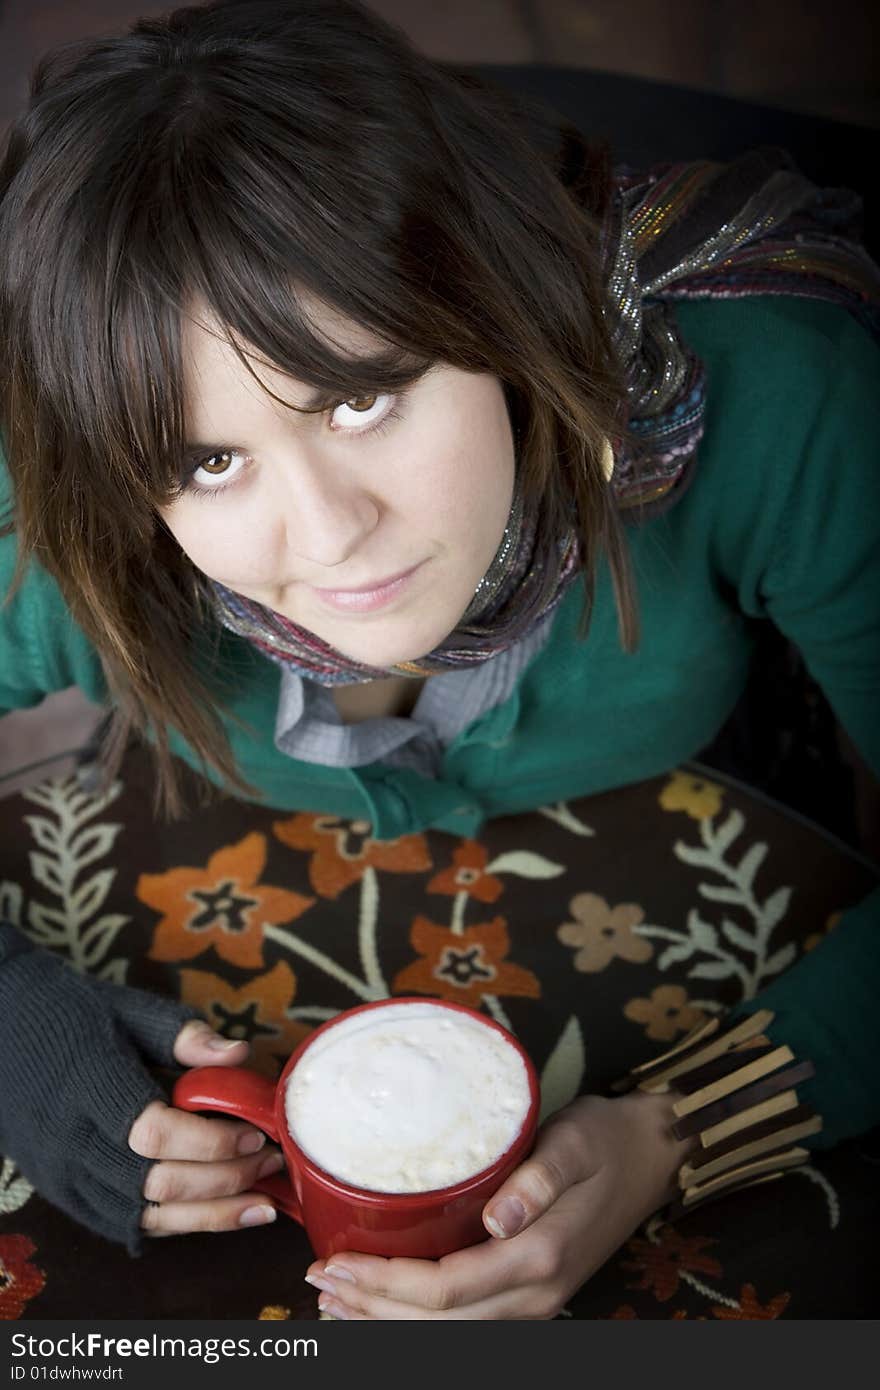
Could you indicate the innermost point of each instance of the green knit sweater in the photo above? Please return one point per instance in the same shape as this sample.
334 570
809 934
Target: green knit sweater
781 522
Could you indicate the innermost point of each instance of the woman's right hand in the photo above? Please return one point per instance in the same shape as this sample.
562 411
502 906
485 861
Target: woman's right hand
205 1168
84 1118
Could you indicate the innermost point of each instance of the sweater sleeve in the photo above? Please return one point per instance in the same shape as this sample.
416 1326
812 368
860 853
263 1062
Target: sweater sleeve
73 1080
42 649
821 587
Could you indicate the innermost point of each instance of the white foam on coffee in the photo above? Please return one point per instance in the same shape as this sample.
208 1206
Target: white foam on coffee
407 1098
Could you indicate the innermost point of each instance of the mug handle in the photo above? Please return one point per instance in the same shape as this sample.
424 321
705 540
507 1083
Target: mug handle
243 1094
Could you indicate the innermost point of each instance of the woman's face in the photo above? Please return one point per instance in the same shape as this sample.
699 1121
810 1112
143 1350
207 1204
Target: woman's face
284 505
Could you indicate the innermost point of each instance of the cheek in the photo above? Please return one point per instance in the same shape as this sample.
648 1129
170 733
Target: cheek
224 541
463 482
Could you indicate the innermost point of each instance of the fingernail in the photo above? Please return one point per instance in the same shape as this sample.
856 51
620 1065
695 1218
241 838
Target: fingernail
251 1142
317 1282
218 1044
256 1216
332 1309
506 1217
271 1164
339 1272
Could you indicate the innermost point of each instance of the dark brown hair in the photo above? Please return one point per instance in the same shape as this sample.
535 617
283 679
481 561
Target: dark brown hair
235 153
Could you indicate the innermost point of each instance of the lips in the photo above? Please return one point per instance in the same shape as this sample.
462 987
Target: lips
371 588
364 600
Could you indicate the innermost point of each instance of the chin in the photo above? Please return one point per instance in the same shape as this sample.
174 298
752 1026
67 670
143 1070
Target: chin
382 659
373 651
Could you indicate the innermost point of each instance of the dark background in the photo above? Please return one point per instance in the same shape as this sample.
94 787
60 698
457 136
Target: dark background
817 57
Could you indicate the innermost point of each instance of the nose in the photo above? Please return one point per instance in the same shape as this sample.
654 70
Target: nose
326 517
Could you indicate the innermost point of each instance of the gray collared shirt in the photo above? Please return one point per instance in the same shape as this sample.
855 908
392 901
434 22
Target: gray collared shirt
308 726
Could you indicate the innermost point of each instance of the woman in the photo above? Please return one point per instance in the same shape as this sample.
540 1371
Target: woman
353 446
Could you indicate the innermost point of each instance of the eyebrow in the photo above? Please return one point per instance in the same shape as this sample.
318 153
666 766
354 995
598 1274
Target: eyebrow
316 400
321 399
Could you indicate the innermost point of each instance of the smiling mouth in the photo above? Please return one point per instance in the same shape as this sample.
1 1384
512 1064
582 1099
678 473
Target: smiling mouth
370 588
375 596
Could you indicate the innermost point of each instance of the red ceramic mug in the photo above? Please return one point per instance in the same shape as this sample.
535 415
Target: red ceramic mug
338 1216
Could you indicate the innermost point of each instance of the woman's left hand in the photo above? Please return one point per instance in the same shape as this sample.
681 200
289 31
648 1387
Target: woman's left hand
599 1168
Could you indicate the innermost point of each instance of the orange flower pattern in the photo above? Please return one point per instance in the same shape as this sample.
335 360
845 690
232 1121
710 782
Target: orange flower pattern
255 1011
464 966
343 849
602 933
666 1013
698 797
750 1309
20 1280
468 874
208 927
223 905
661 1265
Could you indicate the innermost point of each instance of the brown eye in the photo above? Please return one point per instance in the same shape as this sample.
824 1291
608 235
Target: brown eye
214 471
358 411
217 464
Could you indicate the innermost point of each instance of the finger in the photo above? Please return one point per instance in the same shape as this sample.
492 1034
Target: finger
221 1214
198 1045
349 1303
184 1182
525 1278
520 1303
560 1159
452 1282
163 1132
487 1310
150 1020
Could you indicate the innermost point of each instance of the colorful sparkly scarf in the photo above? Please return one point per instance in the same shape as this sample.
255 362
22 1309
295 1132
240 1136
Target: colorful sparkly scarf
699 230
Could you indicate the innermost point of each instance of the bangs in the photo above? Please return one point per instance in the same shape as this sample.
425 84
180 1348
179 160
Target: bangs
269 280
267 211
277 332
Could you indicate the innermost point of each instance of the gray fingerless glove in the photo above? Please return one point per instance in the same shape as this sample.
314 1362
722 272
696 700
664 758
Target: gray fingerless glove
73 1082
